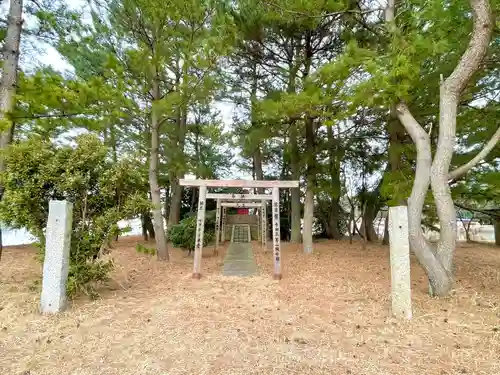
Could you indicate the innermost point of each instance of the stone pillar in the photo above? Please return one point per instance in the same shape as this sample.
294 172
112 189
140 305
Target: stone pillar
200 229
217 225
400 262
56 261
276 234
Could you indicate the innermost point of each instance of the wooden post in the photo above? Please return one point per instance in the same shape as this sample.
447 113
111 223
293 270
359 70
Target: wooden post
400 262
224 224
259 213
200 228
217 226
276 234
264 224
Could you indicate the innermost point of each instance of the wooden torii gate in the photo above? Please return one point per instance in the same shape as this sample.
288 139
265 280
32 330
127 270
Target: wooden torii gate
261 232
202 185
239 201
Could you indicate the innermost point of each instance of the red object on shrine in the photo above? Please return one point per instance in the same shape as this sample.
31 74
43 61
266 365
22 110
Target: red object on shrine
242 211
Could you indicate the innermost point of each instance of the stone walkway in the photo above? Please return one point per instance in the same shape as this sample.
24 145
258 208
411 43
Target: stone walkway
239 260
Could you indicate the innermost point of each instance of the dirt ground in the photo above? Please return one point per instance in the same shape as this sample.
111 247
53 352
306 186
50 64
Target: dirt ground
329 315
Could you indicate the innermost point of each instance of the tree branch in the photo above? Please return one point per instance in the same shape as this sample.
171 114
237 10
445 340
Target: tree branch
303 14
36 116
491 213
476 50
460 171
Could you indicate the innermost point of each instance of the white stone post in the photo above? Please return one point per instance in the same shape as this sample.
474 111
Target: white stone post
217 225
56 261
276 234
224 214
200 229
400 262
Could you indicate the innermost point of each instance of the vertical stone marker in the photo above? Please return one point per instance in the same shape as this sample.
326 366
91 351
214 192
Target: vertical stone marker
56 262
400 262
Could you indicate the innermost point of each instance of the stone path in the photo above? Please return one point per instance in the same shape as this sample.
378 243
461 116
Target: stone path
239 260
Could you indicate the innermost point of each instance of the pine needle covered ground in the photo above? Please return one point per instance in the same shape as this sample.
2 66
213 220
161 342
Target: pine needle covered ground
329 315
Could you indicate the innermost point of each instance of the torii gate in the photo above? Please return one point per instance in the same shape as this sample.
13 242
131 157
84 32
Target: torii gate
239 201
202 197
260 233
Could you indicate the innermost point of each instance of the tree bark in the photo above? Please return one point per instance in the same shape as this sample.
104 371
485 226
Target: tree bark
174 215
296 235
352 219
178 154
8 83
450 91
257 162
144 229
439 280
396 143
160 237
367 228
385 241
438 263
148 231
295 205
308 220
334 156
333 221
307 235
488 147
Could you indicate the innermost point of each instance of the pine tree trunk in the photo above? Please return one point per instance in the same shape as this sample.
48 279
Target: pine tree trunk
144 228
307 235
257 162
148 230
440 281
296 235
333 230
295 205
367 227
334 155
8 82
308 220
437 263
385 241
175 202
178 156
257 156
160 237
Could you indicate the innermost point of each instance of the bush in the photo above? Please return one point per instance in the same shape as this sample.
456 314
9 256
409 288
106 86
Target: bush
102 193
183 235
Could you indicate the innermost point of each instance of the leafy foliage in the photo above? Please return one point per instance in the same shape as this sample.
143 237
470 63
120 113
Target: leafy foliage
102 193
183 235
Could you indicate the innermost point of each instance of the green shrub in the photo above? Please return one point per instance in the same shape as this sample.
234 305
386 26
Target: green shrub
145 250
183 235
102 193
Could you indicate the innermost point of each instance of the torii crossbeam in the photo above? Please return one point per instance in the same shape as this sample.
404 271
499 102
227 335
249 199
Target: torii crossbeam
200 223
